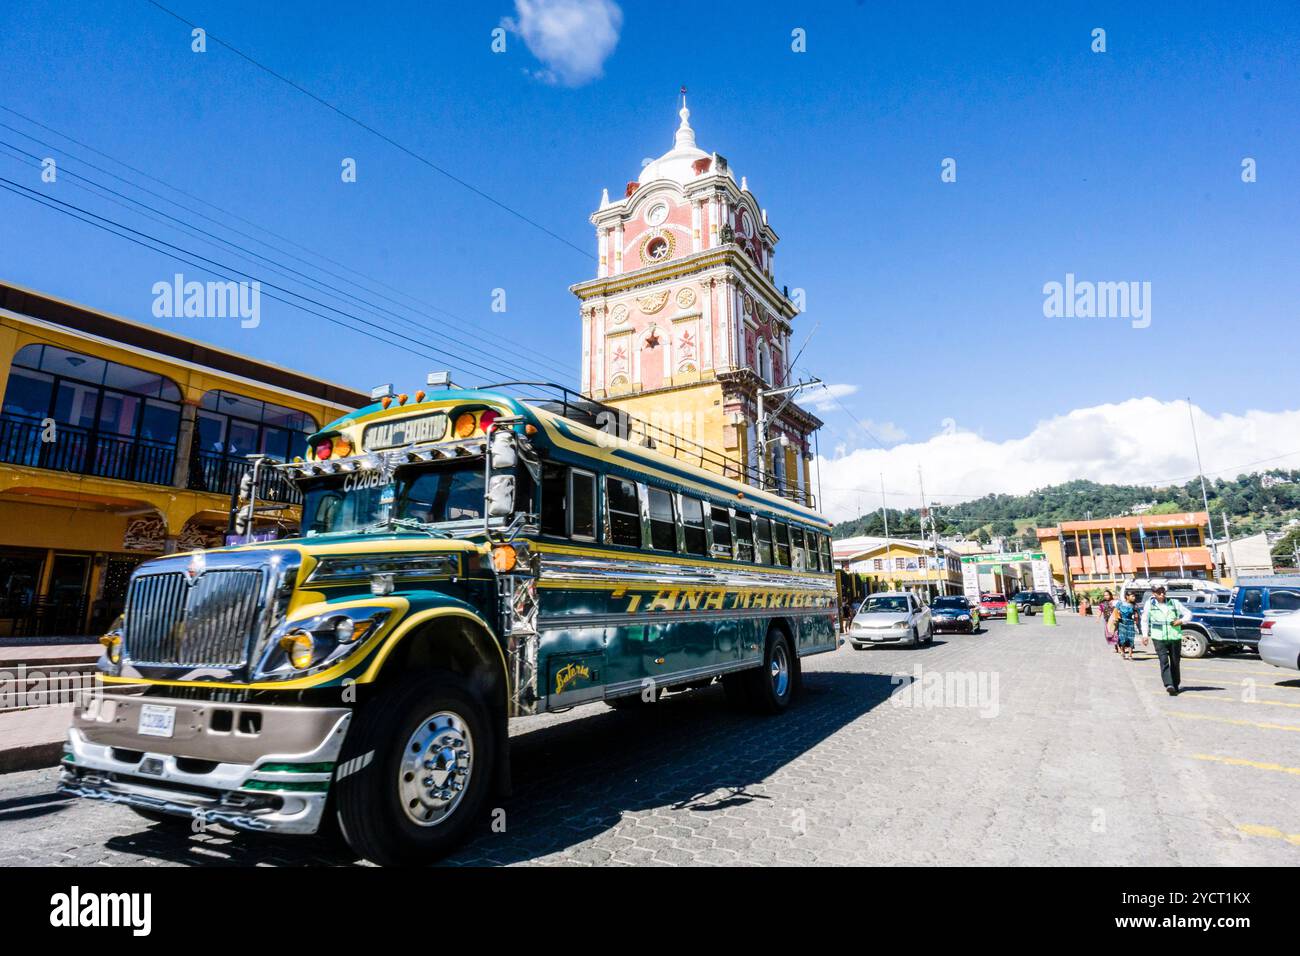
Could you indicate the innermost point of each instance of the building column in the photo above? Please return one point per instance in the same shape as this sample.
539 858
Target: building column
185 439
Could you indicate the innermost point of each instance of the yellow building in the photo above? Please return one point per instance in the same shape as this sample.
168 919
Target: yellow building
119 441
897 564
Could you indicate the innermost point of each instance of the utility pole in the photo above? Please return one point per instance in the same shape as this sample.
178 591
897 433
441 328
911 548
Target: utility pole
1205 495
884 510
1227 538
789 391
925 513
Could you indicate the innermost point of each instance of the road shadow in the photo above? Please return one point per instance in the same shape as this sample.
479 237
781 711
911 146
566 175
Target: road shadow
577 778
30 807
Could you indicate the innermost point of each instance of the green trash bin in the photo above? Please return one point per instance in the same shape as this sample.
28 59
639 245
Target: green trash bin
1013 613
1049 615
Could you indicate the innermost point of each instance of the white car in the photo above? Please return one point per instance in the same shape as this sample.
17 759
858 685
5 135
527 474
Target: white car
891 617
1279 641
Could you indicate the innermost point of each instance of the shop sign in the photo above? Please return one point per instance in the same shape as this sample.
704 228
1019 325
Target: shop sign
145 533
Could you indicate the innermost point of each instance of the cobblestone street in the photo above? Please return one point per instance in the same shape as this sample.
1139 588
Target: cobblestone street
1075 757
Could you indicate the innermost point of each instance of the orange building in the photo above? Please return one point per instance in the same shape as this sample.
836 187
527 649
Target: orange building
1102 553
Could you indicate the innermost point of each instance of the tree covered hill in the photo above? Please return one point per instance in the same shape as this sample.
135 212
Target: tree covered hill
1259 502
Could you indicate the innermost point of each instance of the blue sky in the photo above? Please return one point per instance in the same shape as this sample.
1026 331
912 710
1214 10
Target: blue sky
927 296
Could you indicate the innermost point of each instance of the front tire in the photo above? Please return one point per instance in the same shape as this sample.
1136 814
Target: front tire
424 754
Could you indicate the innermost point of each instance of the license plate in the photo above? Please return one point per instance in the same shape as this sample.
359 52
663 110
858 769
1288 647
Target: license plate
157 721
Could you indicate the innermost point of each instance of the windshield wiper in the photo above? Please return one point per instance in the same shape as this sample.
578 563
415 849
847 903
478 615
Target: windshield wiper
409 524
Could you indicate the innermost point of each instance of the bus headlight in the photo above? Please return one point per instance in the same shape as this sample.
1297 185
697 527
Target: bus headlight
300 646
314 642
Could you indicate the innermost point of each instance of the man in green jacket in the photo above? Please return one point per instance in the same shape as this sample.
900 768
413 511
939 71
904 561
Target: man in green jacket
1162 622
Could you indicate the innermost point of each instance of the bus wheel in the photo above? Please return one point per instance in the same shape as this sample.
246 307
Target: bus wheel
416 770
771 686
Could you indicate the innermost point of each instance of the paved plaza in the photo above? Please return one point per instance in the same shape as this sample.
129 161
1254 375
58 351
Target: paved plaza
1023 745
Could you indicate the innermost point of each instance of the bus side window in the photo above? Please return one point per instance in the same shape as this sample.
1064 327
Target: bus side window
744 537
796 549
554 499
693 526
582 498
828 561
764 529
663 520
781 536
621 501
721 518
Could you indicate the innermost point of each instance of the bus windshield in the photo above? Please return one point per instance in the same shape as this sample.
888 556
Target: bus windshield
427 496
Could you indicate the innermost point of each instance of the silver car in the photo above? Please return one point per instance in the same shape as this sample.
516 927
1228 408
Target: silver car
891 617
1279 642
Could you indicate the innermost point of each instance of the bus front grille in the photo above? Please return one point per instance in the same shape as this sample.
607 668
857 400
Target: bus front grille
207 621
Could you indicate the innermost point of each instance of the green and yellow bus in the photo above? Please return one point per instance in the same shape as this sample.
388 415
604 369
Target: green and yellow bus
465 556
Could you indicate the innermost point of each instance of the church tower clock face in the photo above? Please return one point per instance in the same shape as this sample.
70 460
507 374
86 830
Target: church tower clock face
656 214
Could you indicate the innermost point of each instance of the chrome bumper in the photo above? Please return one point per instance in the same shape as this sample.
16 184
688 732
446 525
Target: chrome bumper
217 765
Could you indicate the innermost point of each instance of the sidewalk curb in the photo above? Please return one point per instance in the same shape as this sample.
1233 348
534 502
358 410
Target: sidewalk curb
31 757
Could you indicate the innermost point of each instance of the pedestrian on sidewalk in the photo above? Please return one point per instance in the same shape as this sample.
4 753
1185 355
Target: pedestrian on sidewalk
1162 622
1107 608
1124 624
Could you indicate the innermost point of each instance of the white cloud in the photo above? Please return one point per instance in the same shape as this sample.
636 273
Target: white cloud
572 38
823 397
1141 441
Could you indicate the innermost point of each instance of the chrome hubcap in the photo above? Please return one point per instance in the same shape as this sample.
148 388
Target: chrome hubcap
780 671
435 768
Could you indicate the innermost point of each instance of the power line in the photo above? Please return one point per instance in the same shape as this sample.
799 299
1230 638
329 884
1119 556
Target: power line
565 369
205 235
374 131
256 258
178 253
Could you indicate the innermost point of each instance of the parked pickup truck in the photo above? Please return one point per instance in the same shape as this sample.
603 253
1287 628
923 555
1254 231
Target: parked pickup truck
1237 623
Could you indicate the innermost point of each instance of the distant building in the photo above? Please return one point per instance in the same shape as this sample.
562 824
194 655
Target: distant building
881 564
119 441
1251 556
1100 554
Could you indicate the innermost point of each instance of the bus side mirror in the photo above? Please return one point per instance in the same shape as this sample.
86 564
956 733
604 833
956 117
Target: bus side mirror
502 450
501 496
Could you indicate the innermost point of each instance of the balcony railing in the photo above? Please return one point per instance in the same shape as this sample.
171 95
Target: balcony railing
222 473
85 451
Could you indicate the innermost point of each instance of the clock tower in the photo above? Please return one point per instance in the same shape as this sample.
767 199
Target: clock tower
684 323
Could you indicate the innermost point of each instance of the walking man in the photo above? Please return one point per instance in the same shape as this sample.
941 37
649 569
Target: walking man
1162 622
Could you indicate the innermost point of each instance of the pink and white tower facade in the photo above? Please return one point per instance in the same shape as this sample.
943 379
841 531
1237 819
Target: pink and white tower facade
684 322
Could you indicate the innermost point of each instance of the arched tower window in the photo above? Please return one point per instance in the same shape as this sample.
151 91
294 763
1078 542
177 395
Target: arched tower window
763 361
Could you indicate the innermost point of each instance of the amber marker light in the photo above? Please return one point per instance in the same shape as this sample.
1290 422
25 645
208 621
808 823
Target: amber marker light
113 645
504 558
386 401
342 447
419 396
401 399
465 425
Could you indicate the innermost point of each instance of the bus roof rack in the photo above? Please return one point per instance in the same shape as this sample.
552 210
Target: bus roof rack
580 408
